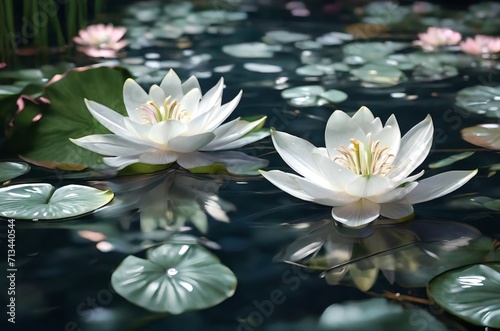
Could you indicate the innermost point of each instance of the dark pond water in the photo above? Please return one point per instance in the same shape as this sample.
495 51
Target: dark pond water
290 261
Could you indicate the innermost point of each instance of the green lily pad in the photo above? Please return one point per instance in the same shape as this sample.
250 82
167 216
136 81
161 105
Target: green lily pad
175 278
484 135
68 117
9 170
44 202
470 293
372 51
377 314
450 160
480 99
334 96
378 74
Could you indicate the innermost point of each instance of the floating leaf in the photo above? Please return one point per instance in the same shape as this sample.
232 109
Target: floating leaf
450 160
9 170
480 99
249 50
45 202
377 314
484 135
372 51
68 117
262 68
175 278
284 37
470 293
334 96
379 74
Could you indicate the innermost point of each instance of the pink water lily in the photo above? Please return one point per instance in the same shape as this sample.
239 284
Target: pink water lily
101 40
481 45
436 37
171 123
364 171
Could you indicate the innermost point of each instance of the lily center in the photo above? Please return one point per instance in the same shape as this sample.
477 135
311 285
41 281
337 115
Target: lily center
151 113
365 159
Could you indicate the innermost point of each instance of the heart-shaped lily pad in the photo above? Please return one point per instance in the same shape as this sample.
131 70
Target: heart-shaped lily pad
470 293
9 170
43 201
175 278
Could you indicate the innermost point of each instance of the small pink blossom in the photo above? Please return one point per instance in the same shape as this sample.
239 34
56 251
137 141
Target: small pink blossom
480 45
436 37
101 40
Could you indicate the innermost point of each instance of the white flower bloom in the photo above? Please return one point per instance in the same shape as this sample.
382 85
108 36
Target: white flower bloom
173 123
364 170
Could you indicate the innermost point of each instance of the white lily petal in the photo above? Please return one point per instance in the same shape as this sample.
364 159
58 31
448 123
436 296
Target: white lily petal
396 210
410 179
222 113
389 136
133 97
376 126
189 144
415 145
191 100
141 131
367 186
120 162
297 153
159 157
321 151
323 195
287 182
190 83
236 131
243 141
171 85
439 185
357 214
157 95
212 96
110 144
364 117
340 129
395 194
161 133
110 119
334 175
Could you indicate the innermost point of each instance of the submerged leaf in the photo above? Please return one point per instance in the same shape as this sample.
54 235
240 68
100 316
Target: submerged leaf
45 202
470 293
175 278
450 160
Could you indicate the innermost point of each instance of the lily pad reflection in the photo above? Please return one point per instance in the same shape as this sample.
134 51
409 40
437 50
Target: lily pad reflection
174 279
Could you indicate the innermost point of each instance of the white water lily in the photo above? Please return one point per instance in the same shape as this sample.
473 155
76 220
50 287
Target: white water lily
173 123
364 171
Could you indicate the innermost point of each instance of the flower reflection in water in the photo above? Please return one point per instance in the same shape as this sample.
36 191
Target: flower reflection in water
408 254
168 200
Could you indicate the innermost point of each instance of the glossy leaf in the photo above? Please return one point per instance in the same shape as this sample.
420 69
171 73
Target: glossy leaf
9 170
480 99
68 117
379 74
175 278
45 202
470 293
